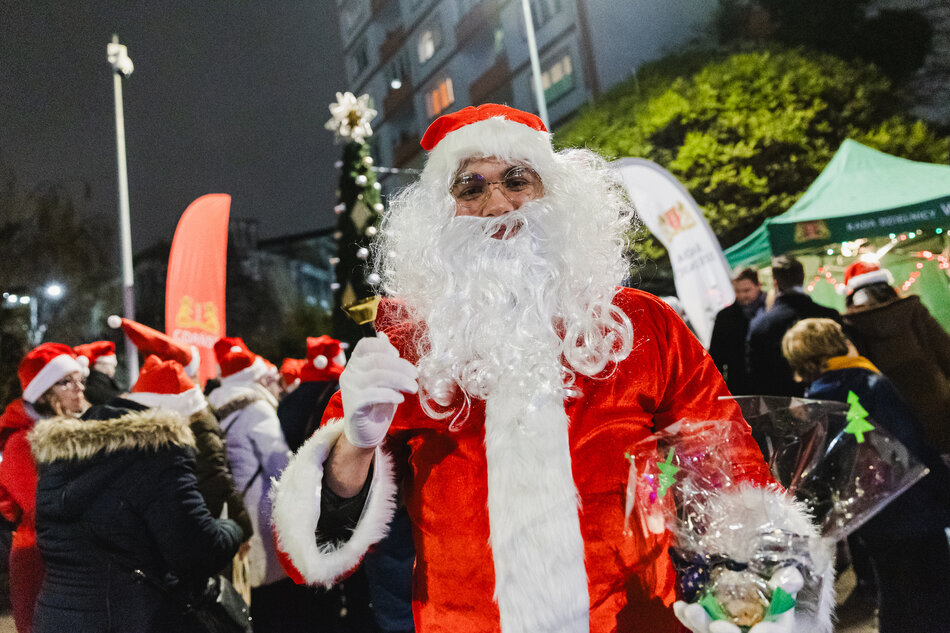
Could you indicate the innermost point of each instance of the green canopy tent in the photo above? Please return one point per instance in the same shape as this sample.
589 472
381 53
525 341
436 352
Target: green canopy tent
862 194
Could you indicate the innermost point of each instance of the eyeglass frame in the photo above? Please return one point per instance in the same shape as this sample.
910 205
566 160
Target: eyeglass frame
69 381
538 186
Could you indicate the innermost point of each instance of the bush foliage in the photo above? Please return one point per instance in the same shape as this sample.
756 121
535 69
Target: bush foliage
748 132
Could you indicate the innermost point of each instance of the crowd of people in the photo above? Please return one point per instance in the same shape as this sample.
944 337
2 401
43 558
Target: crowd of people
126 501
464 469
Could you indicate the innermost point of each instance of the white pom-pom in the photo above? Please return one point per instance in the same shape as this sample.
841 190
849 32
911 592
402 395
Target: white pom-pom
320 362
114 321
236 348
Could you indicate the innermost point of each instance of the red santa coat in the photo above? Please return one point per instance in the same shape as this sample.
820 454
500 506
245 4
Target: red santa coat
667 377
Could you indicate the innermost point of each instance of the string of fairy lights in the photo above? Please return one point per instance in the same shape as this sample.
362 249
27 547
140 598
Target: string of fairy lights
827 274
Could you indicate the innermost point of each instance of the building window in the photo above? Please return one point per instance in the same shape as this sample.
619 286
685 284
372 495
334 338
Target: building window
557 79
543 10
429 41
398 71
440 98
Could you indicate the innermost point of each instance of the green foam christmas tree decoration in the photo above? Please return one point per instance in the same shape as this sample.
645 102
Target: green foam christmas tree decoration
857 417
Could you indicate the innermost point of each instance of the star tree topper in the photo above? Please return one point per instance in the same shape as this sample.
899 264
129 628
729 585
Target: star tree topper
351 117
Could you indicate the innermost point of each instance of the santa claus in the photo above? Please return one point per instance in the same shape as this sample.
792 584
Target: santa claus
509 376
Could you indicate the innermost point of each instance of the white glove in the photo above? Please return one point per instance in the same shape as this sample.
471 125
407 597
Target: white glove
371 387
694 617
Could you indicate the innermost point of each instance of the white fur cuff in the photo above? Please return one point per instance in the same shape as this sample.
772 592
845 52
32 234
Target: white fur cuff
296 511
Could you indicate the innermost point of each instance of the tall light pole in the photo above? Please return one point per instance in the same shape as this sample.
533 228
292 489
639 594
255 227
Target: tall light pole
122 66
535 63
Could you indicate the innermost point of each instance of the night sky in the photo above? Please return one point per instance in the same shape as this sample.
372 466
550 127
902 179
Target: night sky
226 97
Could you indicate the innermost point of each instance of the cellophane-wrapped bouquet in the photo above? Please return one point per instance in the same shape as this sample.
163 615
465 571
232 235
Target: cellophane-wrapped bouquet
831 465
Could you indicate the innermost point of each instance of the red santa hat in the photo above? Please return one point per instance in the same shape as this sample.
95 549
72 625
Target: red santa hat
862 273
151 341
44 366
237 362
98 352
325 359
163 384
290 369
485 130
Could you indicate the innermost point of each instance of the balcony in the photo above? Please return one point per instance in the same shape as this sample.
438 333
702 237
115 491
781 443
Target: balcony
483 13
497 75
393 42
395 98
406 149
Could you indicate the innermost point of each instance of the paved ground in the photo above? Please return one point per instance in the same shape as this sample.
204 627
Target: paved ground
854 617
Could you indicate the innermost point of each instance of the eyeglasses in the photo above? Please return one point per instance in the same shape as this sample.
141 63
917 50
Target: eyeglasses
519 182
69 381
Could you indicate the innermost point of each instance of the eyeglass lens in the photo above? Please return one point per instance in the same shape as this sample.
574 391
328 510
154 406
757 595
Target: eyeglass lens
517 180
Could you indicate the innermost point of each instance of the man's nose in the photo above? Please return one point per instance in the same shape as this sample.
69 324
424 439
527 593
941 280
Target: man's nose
497 203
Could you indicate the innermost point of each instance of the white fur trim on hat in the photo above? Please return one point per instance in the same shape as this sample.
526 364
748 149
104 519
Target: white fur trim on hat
255 371
192 368
872 277
186 403
296 510
52 372
498 137
107 360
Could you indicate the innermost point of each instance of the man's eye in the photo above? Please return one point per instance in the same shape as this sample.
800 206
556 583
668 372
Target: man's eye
516 183
470 192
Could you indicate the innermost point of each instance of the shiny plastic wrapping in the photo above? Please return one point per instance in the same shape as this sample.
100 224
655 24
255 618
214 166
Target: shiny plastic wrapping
736 546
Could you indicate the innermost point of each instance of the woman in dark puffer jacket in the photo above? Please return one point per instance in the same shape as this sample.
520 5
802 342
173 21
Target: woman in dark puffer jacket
117 492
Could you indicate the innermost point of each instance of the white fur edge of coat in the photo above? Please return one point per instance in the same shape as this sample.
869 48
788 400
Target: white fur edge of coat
748 503
297 509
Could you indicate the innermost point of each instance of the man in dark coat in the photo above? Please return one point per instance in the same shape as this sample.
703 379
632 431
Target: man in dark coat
769 372
300 410
727 345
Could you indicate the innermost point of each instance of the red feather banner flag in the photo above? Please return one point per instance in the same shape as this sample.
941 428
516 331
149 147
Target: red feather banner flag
197 273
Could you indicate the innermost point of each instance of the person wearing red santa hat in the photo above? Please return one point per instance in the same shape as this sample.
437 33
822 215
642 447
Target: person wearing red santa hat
51 376
909 346
127 537
257 453
506 385
301 410
100 383
151 341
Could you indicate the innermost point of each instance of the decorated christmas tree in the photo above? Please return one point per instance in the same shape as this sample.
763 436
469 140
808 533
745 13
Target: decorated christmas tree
358 206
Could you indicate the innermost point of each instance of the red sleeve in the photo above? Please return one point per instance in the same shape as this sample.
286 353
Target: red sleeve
18 472
694 389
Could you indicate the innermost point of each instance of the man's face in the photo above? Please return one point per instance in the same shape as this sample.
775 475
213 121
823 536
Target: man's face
746 291
489 187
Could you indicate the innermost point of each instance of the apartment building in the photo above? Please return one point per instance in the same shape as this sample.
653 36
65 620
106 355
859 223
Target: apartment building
418 59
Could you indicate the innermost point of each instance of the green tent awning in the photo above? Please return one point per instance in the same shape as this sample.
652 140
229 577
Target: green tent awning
861 193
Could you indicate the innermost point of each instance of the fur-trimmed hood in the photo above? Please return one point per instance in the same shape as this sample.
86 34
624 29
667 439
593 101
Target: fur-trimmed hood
68 438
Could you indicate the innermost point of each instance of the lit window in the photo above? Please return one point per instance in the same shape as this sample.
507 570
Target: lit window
429 41
440 98
557 79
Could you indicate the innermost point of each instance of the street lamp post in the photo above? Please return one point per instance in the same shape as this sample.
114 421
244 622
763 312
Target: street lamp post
122 67
535 63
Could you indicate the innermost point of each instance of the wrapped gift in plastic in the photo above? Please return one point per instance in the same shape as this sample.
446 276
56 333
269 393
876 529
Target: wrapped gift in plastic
733 544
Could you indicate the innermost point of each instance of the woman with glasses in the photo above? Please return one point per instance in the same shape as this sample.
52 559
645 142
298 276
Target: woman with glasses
51 376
